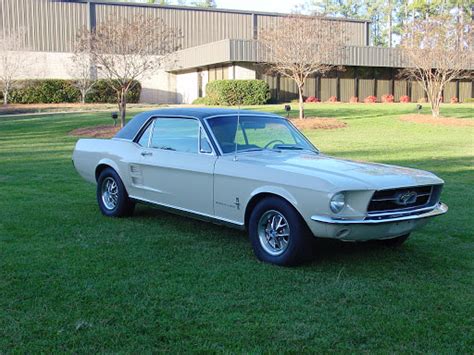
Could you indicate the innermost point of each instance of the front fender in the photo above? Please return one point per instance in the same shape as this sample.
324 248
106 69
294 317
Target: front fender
275 190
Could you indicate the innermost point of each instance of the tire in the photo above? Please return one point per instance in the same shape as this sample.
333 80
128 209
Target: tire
393 242
112 196
271 244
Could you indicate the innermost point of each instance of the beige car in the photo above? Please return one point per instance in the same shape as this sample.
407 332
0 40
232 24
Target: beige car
255 171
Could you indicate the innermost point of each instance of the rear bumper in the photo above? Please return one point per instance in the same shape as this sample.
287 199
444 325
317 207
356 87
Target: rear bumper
368 229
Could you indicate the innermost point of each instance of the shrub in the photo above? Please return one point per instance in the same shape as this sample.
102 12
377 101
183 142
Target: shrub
230 92
354 100
44 91
312 99
405 99
469 100
454 100
332 99
103 93
422 100
370 99
388 99
50 91
200 101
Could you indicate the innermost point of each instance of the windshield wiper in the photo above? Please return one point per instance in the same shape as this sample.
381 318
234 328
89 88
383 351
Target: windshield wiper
289 147
292 147
250 150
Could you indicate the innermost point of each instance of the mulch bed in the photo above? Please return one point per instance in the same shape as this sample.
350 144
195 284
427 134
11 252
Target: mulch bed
440 121
96 132
318 123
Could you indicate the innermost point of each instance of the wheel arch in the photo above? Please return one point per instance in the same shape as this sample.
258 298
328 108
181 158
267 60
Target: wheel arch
104 164
265 192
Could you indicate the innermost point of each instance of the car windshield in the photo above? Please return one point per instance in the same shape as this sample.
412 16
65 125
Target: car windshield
253 132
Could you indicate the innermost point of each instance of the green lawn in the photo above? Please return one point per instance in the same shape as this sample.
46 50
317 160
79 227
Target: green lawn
74 281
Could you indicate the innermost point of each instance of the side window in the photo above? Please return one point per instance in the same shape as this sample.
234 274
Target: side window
144 139
176 134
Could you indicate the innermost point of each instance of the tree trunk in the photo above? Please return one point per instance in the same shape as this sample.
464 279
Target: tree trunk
301 101
123 107
5 97
83 98
435 103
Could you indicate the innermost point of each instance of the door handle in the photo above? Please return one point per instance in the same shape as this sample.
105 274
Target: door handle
146 154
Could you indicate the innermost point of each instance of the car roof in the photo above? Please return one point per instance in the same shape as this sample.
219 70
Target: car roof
136 123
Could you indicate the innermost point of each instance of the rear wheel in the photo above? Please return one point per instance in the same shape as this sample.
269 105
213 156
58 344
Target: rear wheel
112 196
393 242
278 233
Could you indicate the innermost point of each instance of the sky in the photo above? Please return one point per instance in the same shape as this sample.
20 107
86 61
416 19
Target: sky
259 5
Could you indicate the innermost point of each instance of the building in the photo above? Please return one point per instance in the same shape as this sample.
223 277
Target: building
216 44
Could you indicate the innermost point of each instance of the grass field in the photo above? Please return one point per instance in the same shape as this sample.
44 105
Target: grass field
74 281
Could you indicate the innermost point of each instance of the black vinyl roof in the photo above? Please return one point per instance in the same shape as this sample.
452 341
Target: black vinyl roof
131 129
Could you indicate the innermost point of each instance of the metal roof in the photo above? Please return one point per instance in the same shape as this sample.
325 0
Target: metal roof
212 9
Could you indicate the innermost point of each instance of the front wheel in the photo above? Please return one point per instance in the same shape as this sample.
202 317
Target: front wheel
278 233
112 196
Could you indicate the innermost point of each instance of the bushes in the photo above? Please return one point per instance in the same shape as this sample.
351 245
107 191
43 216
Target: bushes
370 99
405 99
332 99
354 100
235 92
44 91
312 99
103 93
60 91
389 99
454 100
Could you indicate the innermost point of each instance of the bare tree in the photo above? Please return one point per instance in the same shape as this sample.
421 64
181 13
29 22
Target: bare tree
82 66
437 50
128 51
300 46
11 61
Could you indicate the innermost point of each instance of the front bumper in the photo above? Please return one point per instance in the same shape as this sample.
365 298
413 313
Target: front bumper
371 228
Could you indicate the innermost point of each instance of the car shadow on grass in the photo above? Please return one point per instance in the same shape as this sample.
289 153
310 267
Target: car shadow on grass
323 252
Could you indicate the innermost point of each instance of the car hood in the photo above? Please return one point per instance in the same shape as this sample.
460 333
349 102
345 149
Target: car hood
340 172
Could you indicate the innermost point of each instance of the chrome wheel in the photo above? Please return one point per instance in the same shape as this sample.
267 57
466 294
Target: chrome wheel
110 193
273 232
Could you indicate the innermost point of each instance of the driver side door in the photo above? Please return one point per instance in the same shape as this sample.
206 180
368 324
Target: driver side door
176 163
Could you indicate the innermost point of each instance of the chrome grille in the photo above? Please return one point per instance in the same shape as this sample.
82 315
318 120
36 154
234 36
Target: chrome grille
404 199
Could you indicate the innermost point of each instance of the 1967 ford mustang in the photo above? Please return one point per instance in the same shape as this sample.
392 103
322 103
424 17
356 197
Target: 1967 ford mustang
255 171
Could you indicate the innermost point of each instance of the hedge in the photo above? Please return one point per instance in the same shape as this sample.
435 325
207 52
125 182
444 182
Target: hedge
103 93
63 91
230 92
44 91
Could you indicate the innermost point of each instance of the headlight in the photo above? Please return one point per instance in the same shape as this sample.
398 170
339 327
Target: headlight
337 203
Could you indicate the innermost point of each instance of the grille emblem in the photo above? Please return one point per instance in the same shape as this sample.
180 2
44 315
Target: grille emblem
406 198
